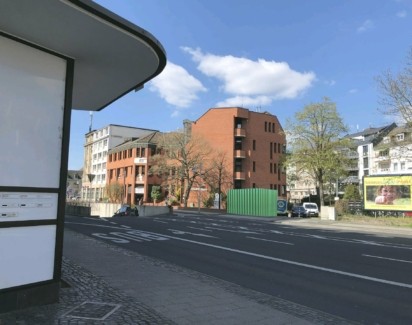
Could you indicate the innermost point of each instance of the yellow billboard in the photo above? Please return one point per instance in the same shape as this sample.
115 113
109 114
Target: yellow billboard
390 192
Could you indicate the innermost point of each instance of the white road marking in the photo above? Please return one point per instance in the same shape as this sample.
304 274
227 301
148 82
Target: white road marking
237 231
277 232
181 232
273 241
156 220
202 229
387 258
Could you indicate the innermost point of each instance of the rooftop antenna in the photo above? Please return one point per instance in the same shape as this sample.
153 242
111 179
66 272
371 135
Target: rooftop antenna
91 121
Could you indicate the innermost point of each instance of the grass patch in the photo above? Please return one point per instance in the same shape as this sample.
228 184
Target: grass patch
404 222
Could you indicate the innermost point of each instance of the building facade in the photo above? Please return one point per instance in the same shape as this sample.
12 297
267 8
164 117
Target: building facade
361 152
128 170
253 143
393 155
98 143
74 184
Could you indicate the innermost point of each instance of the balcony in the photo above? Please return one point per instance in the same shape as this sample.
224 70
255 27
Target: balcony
239 154
240 176
240 132
139 179
382 158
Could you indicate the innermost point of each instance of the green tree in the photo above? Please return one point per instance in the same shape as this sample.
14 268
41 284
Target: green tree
351 193
315 138
156 193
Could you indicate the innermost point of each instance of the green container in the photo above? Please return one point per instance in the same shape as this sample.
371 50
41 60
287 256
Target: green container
252 202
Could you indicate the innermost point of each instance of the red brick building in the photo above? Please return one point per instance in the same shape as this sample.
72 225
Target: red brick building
128 167
253 142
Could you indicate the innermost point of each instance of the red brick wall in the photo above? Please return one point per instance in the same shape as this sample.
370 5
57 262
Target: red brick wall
217 125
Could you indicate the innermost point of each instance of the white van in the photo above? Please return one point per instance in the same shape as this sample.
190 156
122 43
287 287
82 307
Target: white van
311 208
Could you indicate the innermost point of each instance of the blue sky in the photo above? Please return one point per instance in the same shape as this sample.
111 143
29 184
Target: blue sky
265 55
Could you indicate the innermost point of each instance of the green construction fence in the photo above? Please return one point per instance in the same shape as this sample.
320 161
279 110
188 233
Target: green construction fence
252 202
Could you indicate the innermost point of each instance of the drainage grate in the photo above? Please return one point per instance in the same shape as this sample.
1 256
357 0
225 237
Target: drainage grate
92 310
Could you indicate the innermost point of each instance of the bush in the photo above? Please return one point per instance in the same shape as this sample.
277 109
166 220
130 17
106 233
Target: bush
342 207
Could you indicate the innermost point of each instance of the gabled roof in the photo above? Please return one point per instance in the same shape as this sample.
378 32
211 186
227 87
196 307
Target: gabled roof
370 135
143 142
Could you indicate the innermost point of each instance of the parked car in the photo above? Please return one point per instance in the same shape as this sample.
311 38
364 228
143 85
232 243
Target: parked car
311 208
299 211
126 210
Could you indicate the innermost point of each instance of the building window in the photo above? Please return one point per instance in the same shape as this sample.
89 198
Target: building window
271 168
402 165
254 166
266 126
273 127
270 127
271 150
395 167
365 162
400 137
365 150
254 144
238 165
384 153
254 185
274 147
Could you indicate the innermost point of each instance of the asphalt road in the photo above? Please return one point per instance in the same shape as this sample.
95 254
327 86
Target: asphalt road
361 277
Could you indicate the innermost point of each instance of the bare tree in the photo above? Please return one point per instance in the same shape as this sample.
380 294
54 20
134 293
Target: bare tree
218 177
315 137
396 91
183 159
115 192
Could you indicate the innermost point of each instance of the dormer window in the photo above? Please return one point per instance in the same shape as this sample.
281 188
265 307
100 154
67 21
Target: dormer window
386 139
400 137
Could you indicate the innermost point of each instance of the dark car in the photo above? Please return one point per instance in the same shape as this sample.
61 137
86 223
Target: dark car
126 210
299 212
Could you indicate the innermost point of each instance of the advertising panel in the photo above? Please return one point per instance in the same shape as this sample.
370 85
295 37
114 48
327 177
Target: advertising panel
390 192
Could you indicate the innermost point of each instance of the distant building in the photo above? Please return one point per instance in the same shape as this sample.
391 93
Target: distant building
98 143
393 154
74 184
361 152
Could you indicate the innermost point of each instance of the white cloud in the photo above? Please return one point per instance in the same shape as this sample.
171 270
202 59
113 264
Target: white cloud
249 81
402 14
245 101
353 91
366 25
176 86
330 82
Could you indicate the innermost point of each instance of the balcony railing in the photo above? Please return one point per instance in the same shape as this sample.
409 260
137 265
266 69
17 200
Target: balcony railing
240 132
240 154
240 175
140 179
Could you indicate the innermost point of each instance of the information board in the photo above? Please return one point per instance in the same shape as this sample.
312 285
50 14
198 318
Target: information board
31 115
